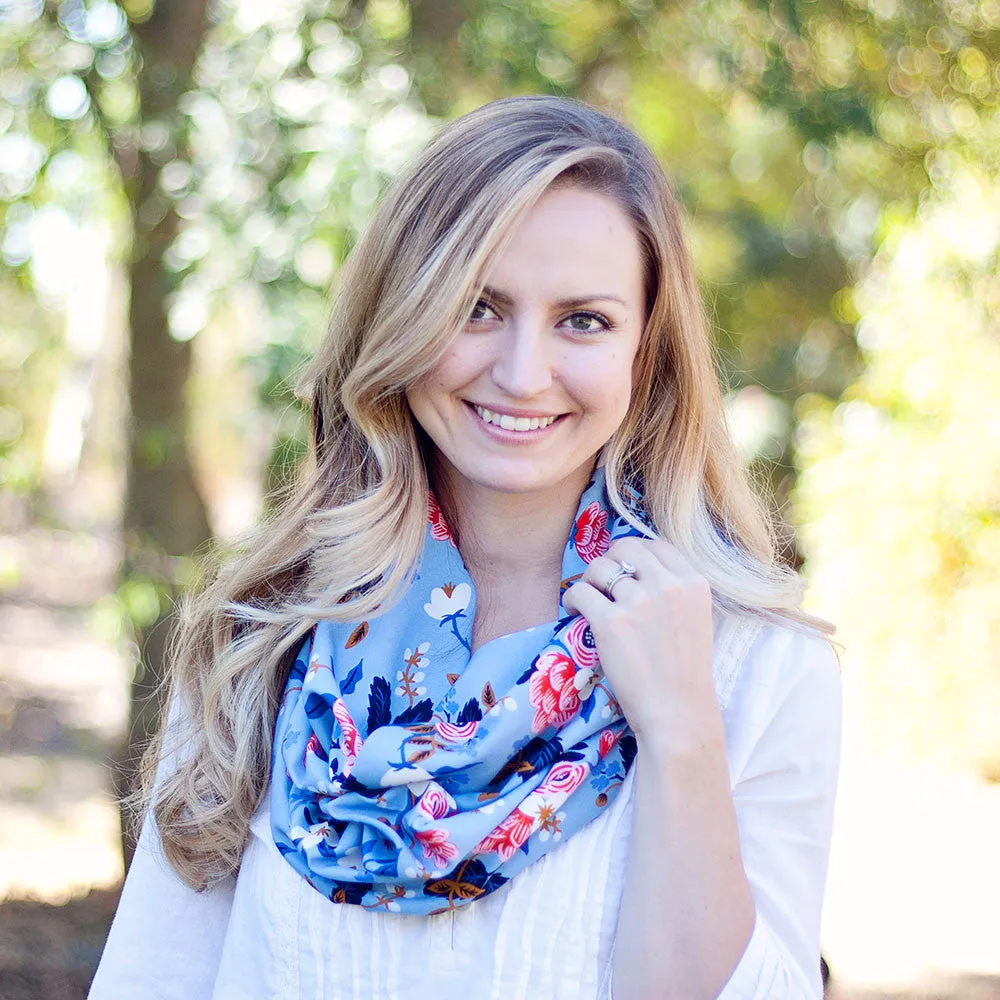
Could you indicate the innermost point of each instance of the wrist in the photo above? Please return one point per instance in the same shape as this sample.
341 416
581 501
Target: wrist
691 735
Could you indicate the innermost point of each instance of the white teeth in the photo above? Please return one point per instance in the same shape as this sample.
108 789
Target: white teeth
510 423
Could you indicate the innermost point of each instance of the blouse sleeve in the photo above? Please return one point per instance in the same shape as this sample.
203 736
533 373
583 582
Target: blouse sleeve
166 939
783 740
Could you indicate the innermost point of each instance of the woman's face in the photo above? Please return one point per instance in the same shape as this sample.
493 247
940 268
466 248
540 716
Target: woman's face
541 376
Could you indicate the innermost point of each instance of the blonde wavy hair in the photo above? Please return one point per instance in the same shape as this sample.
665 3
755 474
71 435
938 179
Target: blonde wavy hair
345 542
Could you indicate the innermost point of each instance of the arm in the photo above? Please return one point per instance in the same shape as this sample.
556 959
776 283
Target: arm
166 939
682 912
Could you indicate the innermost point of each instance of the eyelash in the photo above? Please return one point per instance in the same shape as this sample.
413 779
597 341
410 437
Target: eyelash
606 323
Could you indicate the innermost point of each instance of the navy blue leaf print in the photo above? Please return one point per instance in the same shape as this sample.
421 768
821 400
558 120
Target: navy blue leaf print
540 753
587 708
350 682
528 672
471 713
628 748
423 711
351 784
317 705
379 700
348 892
573 755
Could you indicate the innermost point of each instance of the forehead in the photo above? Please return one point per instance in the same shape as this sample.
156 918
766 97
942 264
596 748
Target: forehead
575 240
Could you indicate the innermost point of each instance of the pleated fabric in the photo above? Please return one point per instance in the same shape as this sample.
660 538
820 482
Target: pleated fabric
548 932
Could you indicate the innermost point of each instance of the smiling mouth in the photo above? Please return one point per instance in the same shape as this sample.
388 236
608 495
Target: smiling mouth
508 422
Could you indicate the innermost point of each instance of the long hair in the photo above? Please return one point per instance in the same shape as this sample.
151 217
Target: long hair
346 541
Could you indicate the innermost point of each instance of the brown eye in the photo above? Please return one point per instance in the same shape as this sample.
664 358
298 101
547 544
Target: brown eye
482 310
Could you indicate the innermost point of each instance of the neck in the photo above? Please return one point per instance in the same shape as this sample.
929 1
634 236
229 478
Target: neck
510 537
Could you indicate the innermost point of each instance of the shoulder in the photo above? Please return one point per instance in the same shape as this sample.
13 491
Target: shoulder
785 692
751 650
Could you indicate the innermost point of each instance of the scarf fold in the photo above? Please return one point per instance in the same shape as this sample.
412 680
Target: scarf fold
414 777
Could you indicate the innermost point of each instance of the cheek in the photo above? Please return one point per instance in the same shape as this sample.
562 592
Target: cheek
455 370
604 385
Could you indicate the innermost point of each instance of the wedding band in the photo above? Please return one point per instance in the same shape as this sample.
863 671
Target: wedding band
624 569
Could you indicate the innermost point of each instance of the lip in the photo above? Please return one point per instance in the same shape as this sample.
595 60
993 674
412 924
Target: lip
500 435
510 411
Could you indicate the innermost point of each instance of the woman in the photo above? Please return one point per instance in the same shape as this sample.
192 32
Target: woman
513 698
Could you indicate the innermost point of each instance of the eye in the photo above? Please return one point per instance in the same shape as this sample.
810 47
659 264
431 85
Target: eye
587 322
481 311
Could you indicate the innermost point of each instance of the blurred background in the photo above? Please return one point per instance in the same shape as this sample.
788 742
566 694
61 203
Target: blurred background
179 184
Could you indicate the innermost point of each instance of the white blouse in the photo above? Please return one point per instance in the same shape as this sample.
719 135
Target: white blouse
548 934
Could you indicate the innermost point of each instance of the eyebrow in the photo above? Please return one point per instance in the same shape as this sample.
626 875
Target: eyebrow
501 298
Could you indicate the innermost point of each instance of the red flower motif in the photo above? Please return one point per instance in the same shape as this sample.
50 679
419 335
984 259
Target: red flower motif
580 641
506 838
436 802
436 846
314 747
452 733
439 526
609 738
552 691
591 535
350 739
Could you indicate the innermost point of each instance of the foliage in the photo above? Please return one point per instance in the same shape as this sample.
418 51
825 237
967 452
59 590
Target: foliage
900 494
802 137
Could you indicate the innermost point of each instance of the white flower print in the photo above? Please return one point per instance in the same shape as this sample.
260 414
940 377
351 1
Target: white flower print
448 600
447 604
416 661
311 837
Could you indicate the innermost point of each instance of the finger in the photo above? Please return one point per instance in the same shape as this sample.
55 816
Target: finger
585 599
637 553
601 571
625 588
665 553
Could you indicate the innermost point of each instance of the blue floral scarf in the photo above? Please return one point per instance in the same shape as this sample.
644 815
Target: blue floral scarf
413 777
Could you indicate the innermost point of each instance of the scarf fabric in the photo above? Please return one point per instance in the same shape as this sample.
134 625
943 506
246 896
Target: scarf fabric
413 776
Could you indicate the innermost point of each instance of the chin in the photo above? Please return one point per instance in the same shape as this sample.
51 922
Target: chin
509 478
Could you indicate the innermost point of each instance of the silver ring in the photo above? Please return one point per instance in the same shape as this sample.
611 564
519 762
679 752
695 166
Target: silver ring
624 569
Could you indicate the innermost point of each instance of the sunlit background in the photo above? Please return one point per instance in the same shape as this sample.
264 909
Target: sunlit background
179 184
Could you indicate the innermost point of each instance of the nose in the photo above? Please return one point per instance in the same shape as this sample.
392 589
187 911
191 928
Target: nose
523 366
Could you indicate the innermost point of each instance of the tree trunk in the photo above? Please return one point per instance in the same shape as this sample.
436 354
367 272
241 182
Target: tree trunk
165 517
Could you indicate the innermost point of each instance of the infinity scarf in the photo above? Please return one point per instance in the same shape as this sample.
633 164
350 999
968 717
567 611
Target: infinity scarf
413 776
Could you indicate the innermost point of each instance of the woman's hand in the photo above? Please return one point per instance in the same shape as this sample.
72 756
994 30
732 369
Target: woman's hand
654 638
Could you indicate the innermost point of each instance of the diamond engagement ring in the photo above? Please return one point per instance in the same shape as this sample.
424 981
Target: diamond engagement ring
624 569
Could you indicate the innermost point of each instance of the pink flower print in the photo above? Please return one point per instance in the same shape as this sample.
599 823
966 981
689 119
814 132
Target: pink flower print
552 691
440 531
579 640
436 846
350 739
506 838
609 738
591 536
436 802
539 810
451 733
564 778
